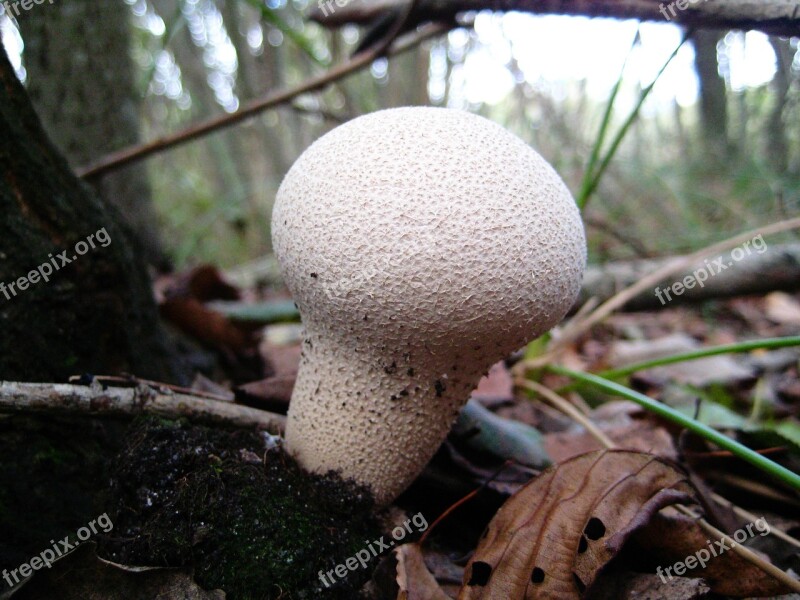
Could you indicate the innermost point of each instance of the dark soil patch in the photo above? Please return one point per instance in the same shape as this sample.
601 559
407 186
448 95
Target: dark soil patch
249 521
53 474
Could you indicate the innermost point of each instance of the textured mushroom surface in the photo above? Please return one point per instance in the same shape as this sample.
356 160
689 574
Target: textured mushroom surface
421 246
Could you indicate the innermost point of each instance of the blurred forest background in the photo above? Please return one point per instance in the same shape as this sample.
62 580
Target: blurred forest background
716 147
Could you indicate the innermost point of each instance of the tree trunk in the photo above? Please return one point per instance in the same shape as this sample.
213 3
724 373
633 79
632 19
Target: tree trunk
713 96
81 83
778 17
94 313
777 144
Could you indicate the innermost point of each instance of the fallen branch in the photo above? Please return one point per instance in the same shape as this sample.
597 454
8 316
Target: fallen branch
778 268
575 328
97 400
775 17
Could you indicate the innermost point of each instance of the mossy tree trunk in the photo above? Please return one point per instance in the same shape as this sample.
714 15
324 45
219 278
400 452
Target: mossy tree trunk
96 314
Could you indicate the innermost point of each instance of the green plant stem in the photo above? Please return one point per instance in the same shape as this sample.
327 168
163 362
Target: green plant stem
670 414
770 343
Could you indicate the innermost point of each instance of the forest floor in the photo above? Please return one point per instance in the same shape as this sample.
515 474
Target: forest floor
220 509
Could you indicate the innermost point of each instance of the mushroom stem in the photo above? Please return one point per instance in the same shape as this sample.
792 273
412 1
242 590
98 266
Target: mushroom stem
395 402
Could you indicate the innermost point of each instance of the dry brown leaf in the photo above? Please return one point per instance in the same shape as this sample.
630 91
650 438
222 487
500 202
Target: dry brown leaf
551 539
622 421
272 393
209 327
413 578
648 586
673 538
496 386
782 308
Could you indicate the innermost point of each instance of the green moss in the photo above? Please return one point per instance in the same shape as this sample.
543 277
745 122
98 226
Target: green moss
248 521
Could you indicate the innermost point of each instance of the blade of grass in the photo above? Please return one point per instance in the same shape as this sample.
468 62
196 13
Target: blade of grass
601 135
595 176
668 413
767 344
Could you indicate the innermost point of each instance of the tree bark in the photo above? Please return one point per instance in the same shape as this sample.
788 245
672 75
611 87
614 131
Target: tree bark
81 82
96 314
777 17
713 95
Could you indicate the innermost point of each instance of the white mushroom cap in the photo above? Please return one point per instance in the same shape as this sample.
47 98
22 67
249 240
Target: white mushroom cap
421 245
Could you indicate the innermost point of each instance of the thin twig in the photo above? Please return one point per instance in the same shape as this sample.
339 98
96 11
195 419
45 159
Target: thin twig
463 501
131 381
743 551
132 154
746 514
568 409
97 400
395 30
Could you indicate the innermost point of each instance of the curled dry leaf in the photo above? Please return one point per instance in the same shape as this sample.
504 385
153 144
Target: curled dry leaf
413 578
552 538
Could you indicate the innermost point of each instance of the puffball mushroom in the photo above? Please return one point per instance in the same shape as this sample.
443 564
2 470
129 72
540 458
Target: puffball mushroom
421 246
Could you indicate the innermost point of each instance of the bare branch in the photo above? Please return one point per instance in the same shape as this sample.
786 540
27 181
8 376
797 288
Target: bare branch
100 401
776 17
132 154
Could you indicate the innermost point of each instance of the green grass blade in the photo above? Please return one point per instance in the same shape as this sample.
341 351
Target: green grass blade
595 177
601 135
767 344
670 414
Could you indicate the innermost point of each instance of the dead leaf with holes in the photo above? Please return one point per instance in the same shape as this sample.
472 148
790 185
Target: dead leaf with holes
553 537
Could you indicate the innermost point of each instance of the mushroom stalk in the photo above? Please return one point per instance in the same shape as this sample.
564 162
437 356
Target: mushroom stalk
421 245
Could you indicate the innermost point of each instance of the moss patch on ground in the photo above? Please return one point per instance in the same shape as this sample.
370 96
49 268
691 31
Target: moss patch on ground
248 520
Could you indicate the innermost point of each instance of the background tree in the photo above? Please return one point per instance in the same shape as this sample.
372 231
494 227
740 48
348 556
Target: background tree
713 96
81 80
97 313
